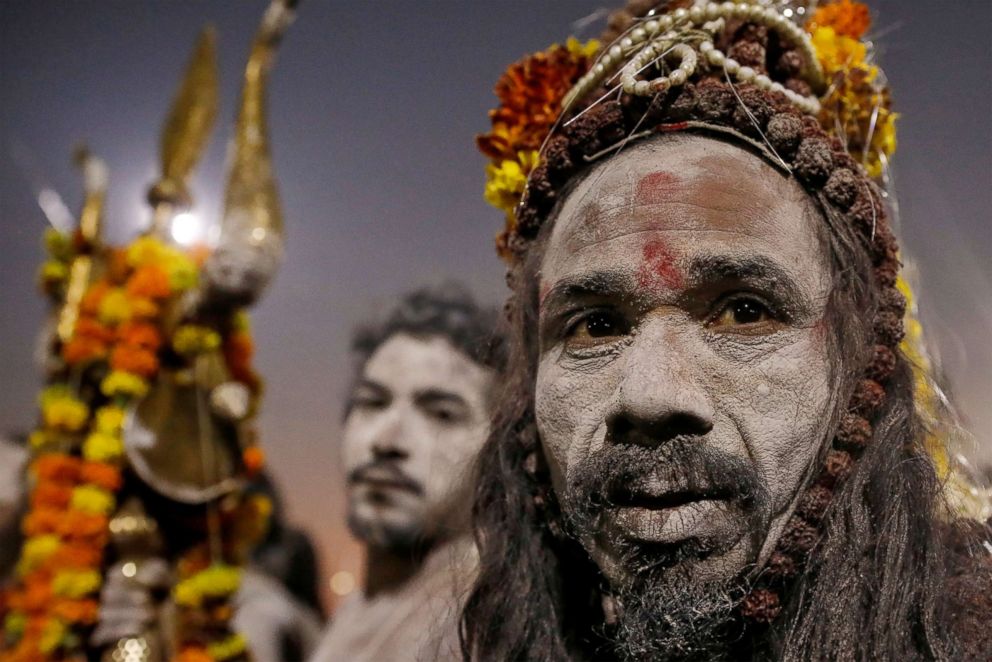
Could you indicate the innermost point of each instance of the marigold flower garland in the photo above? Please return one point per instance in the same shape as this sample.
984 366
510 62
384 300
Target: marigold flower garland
530 94
79 450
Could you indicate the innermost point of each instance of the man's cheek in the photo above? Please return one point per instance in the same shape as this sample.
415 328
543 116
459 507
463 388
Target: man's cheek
784 413
570 406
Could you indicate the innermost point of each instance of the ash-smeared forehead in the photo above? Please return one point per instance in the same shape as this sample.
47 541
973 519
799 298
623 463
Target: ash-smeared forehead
673 201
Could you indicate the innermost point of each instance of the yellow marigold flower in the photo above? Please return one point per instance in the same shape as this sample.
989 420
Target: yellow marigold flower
53 271
837 52
38 440
884 142
217 581
505 183
58 244
145 250
182 271
61 410
588 49
109 419
102 447
92 500
124 384
114 308
76 583
51 635
240 321
36 551
192 339
228 648
14 624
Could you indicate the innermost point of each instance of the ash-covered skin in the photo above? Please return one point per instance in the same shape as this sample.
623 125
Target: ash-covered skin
417 418
684 282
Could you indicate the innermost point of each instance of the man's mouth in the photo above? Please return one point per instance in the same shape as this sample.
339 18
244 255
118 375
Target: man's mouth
653 512
653 496
384 477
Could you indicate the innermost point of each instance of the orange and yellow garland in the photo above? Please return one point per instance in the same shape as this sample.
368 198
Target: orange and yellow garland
78 448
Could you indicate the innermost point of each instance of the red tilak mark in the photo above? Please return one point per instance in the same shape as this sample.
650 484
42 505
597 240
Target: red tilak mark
656 187
658 268
673 126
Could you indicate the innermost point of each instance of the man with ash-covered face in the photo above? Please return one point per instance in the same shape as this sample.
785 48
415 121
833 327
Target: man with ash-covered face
708 447
417 416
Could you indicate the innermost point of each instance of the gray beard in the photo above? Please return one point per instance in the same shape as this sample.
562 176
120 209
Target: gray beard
664 618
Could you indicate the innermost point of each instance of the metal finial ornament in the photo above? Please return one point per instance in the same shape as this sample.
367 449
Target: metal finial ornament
187 130
251 238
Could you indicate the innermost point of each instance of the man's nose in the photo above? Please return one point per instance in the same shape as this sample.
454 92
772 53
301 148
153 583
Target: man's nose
660 396
389 439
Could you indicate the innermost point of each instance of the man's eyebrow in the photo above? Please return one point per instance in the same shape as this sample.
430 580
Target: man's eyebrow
598 283
432 395
755 269
365 382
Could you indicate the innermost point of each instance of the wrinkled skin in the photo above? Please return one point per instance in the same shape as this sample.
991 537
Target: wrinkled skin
418 417
683 291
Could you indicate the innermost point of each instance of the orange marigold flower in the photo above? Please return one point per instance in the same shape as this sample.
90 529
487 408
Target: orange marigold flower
140 334
48 494
117 266
79 525
194 654
94 295
238 351
41 520
133 359
57 467
530 94
101 474
77 555
81 349
37 591
76 610
150 281
847 18
144 308
254 459
90 327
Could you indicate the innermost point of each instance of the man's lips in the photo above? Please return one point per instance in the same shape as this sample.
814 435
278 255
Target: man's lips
658 513
655 495
384 478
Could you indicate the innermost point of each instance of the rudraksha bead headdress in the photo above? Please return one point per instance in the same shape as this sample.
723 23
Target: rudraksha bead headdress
790 79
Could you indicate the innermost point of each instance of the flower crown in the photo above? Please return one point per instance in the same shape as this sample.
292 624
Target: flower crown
838 83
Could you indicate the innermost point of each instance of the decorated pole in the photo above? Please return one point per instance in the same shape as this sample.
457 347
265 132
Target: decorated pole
139 522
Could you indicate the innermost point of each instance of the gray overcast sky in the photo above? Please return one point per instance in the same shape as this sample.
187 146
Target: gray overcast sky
374 107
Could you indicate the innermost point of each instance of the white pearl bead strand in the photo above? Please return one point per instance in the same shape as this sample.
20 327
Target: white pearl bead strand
710 18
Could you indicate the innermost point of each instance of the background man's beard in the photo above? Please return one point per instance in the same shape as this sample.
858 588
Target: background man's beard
663 612
387 536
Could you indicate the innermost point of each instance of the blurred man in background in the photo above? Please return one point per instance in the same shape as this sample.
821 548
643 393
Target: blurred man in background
417 416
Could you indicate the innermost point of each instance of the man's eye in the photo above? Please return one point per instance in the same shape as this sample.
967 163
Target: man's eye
596 328
742 312
367 402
